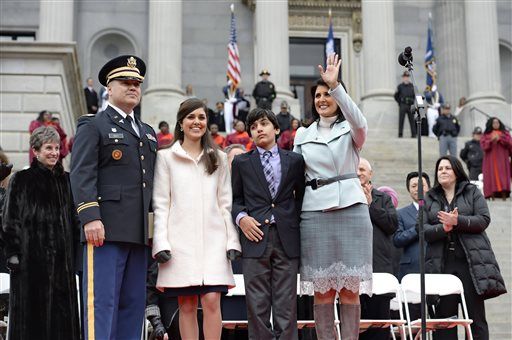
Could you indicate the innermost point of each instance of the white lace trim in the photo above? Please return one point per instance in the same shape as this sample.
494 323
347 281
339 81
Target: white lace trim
336 276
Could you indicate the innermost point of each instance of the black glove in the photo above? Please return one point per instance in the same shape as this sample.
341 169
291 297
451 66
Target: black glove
233 254
163 256
5 170
158 327
13 263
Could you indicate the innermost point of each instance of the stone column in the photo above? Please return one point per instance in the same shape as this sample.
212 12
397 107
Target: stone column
378 104
164 94
272 49
56 20
450 51
483 61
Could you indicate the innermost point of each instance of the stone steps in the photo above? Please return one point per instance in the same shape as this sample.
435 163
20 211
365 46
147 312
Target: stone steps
393 158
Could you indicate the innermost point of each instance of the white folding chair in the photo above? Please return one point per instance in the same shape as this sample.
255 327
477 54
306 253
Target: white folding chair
441 285
237 291
384 283
5 282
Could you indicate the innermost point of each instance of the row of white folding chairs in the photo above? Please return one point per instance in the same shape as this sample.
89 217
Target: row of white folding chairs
408 291
435 285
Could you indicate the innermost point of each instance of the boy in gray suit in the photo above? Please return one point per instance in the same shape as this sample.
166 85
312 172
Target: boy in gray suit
268 187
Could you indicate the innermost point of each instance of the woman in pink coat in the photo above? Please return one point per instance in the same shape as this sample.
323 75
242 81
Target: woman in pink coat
194 236
497 146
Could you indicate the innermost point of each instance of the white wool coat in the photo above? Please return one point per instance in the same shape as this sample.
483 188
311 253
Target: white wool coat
192 220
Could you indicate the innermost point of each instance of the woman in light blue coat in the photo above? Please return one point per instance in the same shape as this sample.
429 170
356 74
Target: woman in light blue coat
336 231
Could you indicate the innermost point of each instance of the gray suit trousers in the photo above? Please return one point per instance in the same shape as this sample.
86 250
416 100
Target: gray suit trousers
271 285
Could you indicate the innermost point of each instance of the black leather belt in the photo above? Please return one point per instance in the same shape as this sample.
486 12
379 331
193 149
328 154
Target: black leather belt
316 183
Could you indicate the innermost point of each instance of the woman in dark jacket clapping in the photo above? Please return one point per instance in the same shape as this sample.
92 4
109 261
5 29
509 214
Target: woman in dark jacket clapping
456 216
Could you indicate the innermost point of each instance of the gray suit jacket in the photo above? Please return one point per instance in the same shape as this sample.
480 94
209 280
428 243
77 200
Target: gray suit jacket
336 155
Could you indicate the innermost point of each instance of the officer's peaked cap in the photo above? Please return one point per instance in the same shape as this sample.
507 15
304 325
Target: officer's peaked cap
265 71
125 67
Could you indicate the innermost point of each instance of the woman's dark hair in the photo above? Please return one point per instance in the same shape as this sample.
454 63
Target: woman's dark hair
209 147
40 116
315 114
458 169
162 123
488 125
259 113
414 174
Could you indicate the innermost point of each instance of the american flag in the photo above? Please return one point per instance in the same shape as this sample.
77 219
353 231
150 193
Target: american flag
234 72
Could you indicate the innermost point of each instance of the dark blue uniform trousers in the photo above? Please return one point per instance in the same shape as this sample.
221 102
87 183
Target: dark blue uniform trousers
114 287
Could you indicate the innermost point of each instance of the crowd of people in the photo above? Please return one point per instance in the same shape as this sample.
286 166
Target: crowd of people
488 153
273 198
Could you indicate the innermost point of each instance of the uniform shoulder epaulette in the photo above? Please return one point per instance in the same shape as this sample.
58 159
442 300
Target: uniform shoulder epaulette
149 126
84 119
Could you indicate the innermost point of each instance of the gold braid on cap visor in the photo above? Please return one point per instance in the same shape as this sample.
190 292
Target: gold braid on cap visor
124 71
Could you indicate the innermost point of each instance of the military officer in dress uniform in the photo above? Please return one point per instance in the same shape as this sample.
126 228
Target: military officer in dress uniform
112 169
264 92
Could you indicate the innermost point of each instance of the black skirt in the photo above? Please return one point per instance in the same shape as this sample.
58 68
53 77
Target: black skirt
195 290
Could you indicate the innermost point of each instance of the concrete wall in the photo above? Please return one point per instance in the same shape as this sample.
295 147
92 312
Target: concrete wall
36 77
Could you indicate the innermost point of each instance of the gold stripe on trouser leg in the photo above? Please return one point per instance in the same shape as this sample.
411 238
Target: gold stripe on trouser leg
90 291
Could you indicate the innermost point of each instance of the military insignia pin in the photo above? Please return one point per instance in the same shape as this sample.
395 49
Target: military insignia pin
132 62
114 130
117 154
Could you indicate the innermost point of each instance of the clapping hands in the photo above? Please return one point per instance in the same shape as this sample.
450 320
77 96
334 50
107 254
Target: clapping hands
448 219
332 69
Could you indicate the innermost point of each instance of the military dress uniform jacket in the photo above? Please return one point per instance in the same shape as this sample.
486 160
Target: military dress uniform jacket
112 175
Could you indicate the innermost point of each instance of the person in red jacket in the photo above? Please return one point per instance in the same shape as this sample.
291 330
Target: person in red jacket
216 136
497 147
240 136
287 137
164 137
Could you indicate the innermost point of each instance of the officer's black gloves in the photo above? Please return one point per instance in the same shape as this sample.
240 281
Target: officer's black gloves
5 170
163 256
158 327
233 254
13 263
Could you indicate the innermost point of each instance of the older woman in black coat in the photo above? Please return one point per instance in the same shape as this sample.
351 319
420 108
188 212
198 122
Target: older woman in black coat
38 232
456 216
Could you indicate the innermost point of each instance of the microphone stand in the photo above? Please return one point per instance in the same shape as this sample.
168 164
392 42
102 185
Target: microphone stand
417 107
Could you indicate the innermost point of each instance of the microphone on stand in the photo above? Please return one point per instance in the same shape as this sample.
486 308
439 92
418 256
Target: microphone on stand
405 57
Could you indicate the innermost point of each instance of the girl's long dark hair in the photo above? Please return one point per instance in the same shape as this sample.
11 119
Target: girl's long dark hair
488 125
457 168
315 114
209 147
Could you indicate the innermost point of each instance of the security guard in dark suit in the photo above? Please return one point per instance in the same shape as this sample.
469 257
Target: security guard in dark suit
404 96
112 169
264 92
